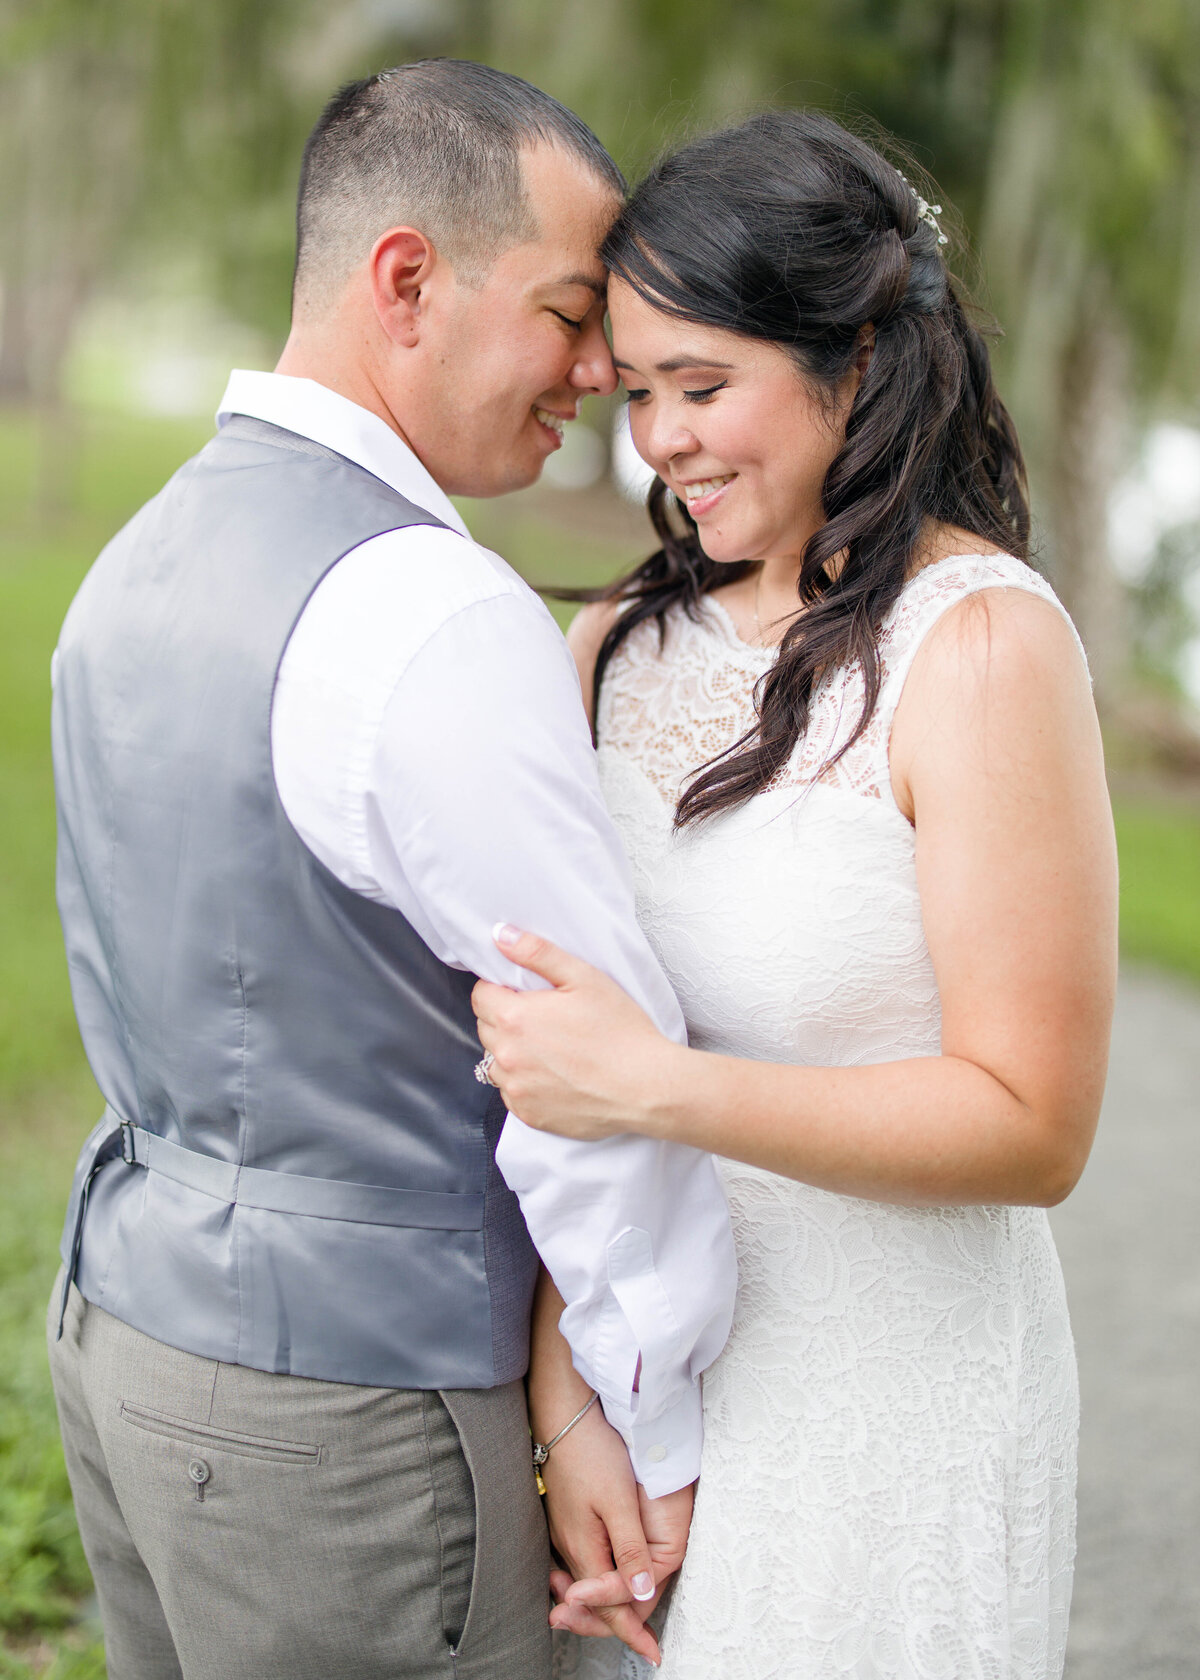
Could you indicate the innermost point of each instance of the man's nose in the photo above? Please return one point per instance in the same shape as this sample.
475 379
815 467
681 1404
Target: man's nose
593 371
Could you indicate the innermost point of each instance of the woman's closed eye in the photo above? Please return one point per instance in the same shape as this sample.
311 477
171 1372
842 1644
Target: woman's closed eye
705 395
696 396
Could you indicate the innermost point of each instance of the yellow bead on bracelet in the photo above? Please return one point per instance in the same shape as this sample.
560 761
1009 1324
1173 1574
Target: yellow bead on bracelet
542 1452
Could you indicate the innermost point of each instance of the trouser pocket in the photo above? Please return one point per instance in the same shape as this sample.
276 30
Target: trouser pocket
202 1435
204 1442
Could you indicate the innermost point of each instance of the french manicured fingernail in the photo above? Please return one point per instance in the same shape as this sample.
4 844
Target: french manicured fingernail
643 1586
504 933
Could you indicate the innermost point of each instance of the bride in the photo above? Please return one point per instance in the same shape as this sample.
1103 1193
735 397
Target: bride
847 734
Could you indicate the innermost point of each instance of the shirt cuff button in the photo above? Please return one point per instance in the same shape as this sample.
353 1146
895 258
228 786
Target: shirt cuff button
657 1454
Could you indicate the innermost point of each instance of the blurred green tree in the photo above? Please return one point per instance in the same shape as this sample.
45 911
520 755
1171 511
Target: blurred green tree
1067 131
135 130
1089 233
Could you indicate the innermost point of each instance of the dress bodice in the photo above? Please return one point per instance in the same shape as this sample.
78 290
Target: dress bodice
790 927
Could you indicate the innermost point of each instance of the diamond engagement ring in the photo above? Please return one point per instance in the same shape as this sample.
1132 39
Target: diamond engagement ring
483 1069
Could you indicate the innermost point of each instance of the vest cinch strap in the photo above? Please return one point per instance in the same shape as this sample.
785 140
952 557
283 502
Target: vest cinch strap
280 1192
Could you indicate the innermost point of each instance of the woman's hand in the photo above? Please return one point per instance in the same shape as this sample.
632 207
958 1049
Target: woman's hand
596 1511
581 1059
665 1525
610 1536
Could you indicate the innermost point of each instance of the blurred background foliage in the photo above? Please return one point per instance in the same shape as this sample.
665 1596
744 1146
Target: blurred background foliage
149 151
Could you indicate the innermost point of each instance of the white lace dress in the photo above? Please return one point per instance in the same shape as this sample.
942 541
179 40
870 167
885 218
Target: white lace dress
887 1484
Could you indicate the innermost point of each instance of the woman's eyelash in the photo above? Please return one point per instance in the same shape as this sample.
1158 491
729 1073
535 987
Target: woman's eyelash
688 396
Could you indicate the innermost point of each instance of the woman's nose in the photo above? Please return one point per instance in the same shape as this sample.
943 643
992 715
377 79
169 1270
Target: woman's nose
665 437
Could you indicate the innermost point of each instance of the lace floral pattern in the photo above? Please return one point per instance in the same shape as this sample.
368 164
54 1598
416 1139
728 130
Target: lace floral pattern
887 1487
672 728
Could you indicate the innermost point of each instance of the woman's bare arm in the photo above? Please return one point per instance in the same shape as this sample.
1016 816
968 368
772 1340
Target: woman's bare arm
584 637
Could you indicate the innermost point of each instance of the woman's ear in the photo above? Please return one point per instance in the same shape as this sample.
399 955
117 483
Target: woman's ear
864 349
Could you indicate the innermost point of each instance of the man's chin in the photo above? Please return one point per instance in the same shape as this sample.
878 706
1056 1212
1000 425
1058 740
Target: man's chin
502 481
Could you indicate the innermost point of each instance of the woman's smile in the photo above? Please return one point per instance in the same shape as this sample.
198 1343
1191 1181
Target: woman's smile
701 495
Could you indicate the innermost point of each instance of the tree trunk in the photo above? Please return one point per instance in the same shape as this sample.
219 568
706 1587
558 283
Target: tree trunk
16 366
1082 464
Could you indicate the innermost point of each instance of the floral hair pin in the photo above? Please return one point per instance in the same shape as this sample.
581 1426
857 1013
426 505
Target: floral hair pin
927 213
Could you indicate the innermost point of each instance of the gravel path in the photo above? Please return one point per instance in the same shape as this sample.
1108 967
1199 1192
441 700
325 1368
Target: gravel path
1130 1244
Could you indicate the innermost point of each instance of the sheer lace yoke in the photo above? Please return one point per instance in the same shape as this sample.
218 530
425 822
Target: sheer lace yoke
675 708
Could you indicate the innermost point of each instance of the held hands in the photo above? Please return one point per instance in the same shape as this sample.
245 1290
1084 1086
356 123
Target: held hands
582 1059
619 1546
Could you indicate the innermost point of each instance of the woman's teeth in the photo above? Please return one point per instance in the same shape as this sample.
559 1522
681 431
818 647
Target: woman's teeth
705 487
554 421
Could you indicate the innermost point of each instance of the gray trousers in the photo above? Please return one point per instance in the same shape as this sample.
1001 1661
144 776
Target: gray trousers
246 1526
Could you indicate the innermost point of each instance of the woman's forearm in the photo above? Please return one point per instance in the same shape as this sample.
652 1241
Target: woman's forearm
556 1390
929 1131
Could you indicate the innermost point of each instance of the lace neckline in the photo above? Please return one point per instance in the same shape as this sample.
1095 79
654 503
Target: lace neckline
722 623
722 619
673 711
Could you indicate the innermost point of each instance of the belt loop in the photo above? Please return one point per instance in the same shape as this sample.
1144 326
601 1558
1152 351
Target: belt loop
76 1242
123 1132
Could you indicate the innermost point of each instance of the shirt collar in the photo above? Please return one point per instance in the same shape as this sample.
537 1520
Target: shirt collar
314 411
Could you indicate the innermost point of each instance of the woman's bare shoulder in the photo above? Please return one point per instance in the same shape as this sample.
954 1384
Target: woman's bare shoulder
1000 668
585 637
1000 640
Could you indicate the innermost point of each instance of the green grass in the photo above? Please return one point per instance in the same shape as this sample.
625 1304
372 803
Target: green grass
1159 847
47 1102
61 1659
43 1576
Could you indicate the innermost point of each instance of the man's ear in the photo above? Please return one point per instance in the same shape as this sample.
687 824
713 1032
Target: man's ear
401 263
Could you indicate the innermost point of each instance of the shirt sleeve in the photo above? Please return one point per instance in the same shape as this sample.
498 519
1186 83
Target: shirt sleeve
484 806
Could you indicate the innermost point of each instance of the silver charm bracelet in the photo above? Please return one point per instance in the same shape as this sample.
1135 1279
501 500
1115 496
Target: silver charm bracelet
541 1452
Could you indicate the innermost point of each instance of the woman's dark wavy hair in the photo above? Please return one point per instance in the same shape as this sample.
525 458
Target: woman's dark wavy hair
790 229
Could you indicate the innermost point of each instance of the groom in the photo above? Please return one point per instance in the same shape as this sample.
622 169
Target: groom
311 744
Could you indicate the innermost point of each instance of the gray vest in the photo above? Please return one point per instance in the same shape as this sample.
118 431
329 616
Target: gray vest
296 1168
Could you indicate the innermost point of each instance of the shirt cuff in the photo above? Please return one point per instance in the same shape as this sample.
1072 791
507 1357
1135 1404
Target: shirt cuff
665 1451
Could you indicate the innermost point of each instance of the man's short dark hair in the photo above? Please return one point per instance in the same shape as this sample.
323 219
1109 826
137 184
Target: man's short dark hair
434 145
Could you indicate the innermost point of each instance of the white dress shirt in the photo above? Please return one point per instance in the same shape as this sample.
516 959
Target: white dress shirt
430 747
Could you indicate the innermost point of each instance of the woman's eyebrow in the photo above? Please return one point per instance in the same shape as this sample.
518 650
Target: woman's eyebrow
676 364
